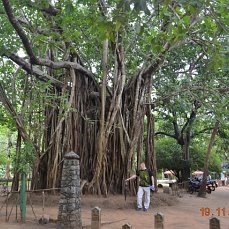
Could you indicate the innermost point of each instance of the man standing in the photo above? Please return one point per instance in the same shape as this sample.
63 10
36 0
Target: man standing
146 182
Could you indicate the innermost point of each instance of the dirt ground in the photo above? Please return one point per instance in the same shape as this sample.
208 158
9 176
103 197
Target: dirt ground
179 212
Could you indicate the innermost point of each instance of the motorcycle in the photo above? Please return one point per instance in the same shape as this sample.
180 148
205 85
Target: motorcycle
212 184
194 186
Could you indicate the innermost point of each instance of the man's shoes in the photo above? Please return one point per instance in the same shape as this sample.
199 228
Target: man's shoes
140 209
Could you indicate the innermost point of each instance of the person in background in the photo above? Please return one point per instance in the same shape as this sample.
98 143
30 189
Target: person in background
146 183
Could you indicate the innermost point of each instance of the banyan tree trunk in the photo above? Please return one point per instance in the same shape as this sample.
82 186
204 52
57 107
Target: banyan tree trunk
102 123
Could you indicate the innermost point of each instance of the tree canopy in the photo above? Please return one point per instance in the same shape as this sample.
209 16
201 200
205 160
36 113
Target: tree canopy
89 76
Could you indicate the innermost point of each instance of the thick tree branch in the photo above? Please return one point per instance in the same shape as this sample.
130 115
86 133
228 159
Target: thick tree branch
28 47
205 130
67 65
102 7
15 23
152 68
41 75
192 117
175 125
52 11
164 133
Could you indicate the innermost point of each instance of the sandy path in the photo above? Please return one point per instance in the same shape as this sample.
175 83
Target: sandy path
185 214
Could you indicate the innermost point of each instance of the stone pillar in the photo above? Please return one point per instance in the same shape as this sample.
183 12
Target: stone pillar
159 221
69 215
96 218
127 226
214 223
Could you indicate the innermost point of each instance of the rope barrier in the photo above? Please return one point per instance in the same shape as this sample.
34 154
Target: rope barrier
10 193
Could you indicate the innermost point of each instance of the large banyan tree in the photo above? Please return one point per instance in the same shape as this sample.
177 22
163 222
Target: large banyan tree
87 70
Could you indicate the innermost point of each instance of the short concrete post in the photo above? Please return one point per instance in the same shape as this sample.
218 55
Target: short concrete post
69 216
159 221
96 218
214 223
127 226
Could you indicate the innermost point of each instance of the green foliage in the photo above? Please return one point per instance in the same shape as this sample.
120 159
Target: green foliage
198 155
7 147
23 161
168 153
3 158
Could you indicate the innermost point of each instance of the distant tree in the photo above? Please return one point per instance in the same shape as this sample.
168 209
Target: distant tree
202 191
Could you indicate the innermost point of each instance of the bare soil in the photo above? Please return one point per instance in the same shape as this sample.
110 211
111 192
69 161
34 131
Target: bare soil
181 211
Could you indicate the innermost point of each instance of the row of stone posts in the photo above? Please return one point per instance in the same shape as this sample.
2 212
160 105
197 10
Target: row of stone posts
214 223
69 215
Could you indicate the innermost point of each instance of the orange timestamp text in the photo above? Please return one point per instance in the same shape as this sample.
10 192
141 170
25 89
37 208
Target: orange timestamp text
206 211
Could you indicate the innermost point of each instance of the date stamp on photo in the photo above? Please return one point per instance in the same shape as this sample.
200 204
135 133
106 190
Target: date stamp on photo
206 211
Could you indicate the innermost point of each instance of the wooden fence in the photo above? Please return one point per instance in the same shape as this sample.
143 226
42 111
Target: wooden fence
214 223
